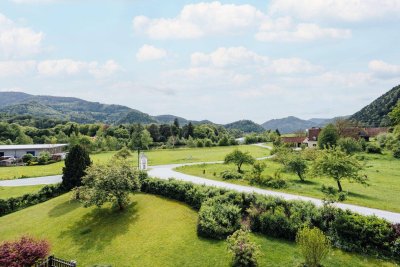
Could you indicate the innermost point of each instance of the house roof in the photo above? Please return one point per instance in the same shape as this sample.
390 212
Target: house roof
372 132
313 133
296 139
33 146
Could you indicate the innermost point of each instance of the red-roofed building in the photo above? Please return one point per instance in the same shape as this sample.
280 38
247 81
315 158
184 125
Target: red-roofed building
312 137
293 141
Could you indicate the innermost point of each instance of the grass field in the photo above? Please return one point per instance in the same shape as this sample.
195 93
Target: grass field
16 191
153 231
156 157
383 172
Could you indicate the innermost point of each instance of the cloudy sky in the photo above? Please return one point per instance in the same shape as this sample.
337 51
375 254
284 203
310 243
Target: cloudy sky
222 61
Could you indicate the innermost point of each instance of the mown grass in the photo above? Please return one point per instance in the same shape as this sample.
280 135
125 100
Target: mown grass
153 231
16 191
155 157
383 172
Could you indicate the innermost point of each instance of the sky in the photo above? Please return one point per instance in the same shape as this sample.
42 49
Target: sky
217 60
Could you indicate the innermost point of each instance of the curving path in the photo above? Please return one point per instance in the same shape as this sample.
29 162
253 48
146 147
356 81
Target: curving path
167 172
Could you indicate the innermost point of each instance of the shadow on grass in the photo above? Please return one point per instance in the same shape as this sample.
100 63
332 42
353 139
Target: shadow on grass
306 182
64 208
356 195
96 229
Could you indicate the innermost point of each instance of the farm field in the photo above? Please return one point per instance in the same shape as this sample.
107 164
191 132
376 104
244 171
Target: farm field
383 172
153 231
155 157
16 191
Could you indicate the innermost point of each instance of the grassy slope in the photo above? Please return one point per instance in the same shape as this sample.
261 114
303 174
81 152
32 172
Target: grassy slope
16 191
156 157
153 232
383 172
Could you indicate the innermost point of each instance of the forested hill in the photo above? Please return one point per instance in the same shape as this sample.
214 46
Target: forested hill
78 110
245 126
376 113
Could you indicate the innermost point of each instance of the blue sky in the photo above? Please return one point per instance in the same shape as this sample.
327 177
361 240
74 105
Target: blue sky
217 60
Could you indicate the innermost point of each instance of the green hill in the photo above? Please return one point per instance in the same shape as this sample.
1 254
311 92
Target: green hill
376 113
246 126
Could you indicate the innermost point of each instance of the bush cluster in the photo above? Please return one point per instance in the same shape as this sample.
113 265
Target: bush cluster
222 211
16 203
373 149
230 175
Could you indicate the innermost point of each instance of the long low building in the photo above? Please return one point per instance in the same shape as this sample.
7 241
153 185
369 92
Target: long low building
17 151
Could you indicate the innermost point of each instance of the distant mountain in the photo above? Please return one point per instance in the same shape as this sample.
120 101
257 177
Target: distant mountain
78 110
69 108
246 126
169 119
288 125
376 113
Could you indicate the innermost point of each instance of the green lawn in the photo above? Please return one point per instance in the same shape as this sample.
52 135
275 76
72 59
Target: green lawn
153 231
16 191
156 157
383 172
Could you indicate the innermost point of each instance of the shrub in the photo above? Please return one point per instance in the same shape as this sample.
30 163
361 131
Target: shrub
123 153
218 219
268 181
229 175
362 233
396 248
373 149
396 151
244 251
43 158
23 252
27 158
349 145
313 244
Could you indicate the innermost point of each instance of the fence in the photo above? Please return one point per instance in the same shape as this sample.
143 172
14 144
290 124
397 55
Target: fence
55 262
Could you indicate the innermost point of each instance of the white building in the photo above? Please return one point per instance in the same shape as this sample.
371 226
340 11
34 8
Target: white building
18 151
142 162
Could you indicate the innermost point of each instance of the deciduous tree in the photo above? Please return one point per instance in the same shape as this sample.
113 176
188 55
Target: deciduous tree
239 158
336 164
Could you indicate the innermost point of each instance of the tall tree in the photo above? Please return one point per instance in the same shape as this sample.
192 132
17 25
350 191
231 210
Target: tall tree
76 163
190 130
328 136
334 163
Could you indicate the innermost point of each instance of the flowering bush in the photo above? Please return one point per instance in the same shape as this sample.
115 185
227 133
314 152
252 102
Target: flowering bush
23 252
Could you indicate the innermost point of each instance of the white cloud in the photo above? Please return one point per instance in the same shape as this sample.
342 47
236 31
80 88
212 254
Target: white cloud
73 67
228 57
293 65
243 58
346 10
382 68
284 30
13 68
149 52
197 20
16 41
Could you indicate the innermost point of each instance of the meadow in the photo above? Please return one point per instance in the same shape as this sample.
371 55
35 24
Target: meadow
383 172
155 157
153 231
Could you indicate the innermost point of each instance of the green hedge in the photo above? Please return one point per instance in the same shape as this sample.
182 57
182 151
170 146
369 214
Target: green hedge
221 210
16 203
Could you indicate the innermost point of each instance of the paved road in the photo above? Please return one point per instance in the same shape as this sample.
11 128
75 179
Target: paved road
167 171
54 179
